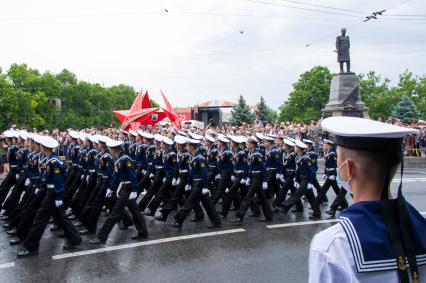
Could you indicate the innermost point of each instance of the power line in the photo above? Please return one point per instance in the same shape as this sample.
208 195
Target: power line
301 8
323 6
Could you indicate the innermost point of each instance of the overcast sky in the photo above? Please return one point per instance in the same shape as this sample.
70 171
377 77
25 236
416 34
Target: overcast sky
196 51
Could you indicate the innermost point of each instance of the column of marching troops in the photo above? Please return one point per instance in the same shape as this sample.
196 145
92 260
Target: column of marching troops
154 175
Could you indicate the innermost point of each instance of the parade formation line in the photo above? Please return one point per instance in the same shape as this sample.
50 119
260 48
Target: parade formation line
7 265
147 243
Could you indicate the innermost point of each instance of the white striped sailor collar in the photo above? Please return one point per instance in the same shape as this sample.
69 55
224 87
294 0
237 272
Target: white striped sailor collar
54 158
368 236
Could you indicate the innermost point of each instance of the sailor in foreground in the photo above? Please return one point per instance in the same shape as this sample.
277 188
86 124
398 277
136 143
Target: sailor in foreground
124 185
377 239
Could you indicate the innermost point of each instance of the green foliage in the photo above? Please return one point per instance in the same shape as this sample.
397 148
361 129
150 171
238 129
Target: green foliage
264 113
309 96
27 99
406 110
241 113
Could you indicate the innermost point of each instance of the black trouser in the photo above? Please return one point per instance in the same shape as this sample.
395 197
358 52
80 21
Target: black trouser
193 199
84 216
177 197
302 191
5 186
152 190
73 187
233 195
318 188
340 200
162 194
15 195
288 185
75 203
324 189
224 183
254 204
212 184
18 212
48 209
144 183
25 220
255 189
273 184
117 211
70 179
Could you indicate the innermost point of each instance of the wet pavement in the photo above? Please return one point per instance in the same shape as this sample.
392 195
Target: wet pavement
248 252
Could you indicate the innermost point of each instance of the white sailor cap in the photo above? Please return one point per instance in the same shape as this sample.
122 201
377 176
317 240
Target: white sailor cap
23 135
73 134
158 137
15 134
133 133
147 135
260 136
289 142
91 138
273 136
239 139
180 139
306 141
140 133
113 143
223 139
166 140
268 138
182 133
326 141
252 139
101 138
82 136
48 142
195 136
8 134
291 139
300 144
192 141
365 134
36 138
209 138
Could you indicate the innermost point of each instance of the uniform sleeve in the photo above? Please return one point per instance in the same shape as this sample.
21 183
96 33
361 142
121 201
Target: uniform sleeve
204 171
324 269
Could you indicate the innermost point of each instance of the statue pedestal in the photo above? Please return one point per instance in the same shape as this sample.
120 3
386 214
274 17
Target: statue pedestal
345 97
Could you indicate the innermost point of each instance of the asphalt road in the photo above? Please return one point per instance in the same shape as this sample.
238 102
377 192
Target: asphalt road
249 252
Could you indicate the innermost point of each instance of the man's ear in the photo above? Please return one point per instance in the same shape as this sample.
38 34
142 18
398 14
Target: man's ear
350 165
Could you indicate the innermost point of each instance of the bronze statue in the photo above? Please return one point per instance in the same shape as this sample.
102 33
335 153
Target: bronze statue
342 49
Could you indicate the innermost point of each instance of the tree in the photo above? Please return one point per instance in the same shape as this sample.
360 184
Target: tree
241 113
309 96
406 110
264 113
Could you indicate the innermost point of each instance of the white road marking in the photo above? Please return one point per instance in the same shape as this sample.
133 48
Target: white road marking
147 243
301 223
423 213
405 180
7 265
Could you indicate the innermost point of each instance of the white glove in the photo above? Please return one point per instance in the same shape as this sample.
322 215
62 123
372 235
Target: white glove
187 188
282 179
36 191
133 195
324 177
310 186
143 172
243 181
205 191
217 177
87 178
17 176
151 176
174 182
108 193
296 185
265 185
164 179
232 178
82 177
332 177
248 182
58 203
27 182
226 190
177 181
278 176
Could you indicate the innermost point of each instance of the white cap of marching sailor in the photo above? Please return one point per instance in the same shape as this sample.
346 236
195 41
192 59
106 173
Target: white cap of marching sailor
82 136
158 137
300 144
195 136
113 143
289 143
192 141
133 133
209 138
365 134
8 134
166 140
180 139
48 142
222 139
260 136
306 141
238 139
73 134
23 135
326 141
147 135
269 139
